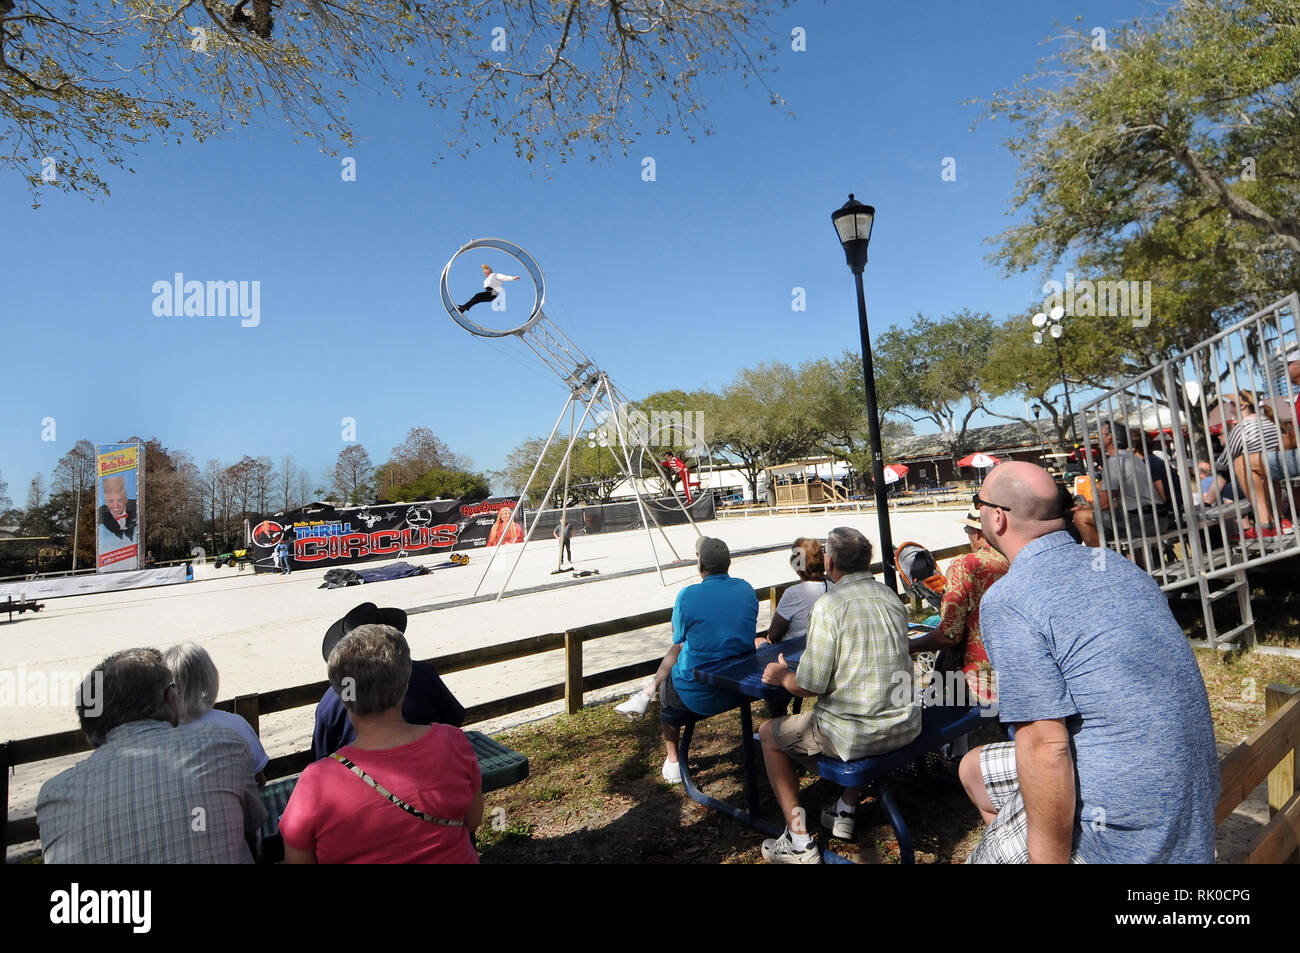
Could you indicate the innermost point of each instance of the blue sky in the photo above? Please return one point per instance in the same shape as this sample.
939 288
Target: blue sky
676 282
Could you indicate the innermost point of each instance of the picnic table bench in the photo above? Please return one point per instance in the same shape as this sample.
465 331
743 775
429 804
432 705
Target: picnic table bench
744 676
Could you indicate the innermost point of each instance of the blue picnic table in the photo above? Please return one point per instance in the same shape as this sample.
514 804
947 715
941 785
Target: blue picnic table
743 675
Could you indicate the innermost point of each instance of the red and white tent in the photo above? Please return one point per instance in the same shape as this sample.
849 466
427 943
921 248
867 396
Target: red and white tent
980 461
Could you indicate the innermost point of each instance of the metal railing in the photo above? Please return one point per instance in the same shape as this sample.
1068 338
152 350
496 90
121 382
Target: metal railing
1186 412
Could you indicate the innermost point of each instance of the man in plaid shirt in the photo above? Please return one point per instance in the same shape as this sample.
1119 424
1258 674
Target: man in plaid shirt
857 646
150 793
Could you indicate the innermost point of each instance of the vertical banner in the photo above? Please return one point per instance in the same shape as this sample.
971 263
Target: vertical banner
119 472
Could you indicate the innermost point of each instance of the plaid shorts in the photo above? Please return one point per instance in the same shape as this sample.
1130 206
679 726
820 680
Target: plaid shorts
1006 840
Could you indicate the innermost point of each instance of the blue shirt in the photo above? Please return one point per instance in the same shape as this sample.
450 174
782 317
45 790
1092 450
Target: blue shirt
1085 635
713 619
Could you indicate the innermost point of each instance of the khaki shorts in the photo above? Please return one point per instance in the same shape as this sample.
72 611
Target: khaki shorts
799 737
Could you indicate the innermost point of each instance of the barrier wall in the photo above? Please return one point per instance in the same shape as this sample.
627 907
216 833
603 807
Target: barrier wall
53 587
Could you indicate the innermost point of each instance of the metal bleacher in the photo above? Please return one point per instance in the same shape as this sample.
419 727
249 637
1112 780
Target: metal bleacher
1177 407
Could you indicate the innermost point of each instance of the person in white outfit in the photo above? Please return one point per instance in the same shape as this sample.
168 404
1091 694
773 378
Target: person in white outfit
790 621
197 681
492 282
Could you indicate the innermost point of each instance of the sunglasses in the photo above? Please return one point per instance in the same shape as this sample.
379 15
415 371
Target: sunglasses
977 503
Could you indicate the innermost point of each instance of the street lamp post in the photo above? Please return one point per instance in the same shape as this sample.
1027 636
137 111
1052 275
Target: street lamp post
1052 322
1038 412
853 222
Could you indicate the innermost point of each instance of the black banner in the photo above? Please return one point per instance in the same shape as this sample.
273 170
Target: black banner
620 516
320 535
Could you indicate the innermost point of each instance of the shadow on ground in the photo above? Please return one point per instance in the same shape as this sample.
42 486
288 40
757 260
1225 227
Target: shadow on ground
594 795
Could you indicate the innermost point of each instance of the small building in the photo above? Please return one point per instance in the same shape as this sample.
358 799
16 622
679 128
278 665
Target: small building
931 463
809 481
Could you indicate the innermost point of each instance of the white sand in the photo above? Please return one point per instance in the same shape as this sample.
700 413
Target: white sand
264 632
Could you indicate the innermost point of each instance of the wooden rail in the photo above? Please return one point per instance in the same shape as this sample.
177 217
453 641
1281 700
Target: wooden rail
1272 752
253 706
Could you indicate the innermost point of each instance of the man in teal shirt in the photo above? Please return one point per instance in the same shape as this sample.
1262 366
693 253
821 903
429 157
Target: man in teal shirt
714 619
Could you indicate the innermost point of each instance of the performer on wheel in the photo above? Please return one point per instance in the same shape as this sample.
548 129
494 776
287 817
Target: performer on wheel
492 282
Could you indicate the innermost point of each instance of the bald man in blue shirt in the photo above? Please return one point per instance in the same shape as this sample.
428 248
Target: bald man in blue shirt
1114 758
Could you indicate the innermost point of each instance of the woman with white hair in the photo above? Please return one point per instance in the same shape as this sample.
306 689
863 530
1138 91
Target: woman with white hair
196 692
790 621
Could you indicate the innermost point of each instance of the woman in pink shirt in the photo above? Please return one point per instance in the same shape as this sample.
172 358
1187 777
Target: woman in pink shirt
400 793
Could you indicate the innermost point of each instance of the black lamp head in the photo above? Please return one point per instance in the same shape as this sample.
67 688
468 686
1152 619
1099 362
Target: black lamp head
853 222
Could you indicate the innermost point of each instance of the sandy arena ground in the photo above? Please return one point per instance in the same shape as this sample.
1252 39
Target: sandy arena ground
264 632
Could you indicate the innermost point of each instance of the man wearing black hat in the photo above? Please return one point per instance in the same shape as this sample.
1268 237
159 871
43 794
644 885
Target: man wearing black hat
428 701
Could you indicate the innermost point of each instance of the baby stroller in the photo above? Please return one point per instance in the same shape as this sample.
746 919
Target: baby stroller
921 578
920 573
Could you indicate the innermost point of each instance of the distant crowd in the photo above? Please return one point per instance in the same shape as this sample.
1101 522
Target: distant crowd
1141 489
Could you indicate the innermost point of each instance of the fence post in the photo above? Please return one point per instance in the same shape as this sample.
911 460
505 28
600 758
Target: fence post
572 671
247 707
1281 780
4 771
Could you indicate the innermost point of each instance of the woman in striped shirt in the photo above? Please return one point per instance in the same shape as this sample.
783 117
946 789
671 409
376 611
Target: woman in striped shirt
1251 439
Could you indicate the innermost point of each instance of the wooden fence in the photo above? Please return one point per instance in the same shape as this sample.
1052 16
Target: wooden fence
1272 752
252 706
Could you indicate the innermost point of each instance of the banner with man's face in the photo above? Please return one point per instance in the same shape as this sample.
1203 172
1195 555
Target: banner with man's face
118 472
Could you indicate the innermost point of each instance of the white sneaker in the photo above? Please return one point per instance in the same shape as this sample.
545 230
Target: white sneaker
672 771
781 850
839 823
635 707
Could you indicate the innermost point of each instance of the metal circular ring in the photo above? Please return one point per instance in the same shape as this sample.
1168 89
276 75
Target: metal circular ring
514 251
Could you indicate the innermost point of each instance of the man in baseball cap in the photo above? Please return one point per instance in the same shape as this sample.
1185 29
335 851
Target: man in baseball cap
714 555
714 619
428 701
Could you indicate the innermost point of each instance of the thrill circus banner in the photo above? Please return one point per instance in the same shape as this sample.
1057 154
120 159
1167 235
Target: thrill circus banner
119 474
322 536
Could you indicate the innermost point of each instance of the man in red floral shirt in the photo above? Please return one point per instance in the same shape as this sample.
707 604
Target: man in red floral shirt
969 577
